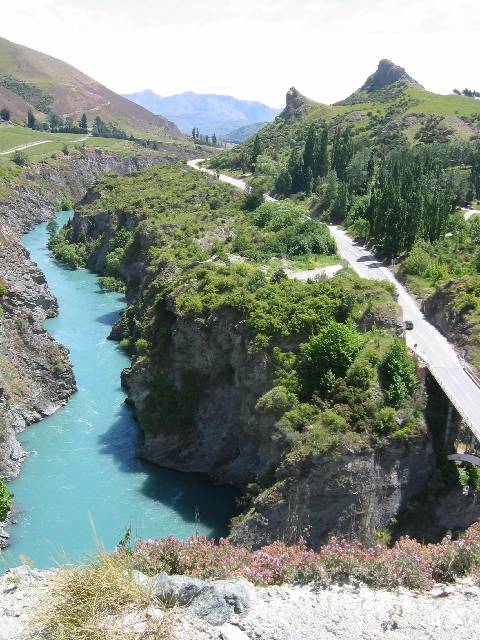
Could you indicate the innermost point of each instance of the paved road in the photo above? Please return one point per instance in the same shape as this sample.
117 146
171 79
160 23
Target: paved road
239 184
426 341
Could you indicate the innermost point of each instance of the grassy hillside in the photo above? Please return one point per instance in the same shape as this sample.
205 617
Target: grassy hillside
389 109
30 80
243 133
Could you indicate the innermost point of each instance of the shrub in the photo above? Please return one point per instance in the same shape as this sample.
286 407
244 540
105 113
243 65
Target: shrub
332 349
141 346
277 400
20 158
3 287
6 499
360 374
407 563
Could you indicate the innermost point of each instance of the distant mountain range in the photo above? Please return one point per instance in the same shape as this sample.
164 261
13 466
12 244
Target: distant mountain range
210 113
33 81
243 133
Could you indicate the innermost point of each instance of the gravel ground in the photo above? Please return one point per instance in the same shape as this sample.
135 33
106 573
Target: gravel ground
346 612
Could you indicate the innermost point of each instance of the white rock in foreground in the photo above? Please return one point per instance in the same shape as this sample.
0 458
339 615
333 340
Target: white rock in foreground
287 612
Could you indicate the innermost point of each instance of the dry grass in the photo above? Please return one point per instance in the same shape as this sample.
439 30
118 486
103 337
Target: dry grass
101 601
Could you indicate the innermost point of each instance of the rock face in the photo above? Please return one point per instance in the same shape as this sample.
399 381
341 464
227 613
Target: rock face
451 320
227 438
35 374
350 494
387 73
296 103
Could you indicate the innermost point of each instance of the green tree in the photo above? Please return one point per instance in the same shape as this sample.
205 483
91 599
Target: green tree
83 123
5 114
56 121
254 196
52 226
370 172
256 151
6 499
331 351
398 373
331 191
31 120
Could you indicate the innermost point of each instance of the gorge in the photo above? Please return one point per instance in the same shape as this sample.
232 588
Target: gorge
83 477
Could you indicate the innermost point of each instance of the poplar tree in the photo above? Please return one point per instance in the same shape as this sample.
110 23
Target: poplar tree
256 151
31 120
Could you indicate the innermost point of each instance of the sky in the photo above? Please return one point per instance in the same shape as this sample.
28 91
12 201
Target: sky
253 49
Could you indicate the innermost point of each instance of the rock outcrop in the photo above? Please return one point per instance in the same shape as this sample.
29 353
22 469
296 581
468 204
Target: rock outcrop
350 494
387 73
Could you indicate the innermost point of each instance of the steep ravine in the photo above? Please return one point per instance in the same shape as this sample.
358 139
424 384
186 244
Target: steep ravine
214 379
36 377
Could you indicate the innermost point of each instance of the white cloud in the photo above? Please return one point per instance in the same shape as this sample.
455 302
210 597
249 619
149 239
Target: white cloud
253 49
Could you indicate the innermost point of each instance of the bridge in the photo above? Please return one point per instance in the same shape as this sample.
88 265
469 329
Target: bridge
458 381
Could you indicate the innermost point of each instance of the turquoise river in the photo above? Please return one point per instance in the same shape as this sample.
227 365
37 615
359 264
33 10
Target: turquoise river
83 483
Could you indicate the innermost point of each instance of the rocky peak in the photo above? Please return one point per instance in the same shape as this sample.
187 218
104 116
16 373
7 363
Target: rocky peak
295 102
387 73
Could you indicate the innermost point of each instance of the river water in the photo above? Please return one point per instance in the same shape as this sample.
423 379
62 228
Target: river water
83 483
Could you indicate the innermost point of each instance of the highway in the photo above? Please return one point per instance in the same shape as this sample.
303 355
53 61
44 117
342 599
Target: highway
424 339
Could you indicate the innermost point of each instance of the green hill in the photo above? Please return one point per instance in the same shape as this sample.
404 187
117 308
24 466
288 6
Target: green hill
30 80
390 108
243 133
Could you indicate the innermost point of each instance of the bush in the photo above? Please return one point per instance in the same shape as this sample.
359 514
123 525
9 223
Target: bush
20 158
6 500
407 564
332 349
277 400
3 287
254 197
141 346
